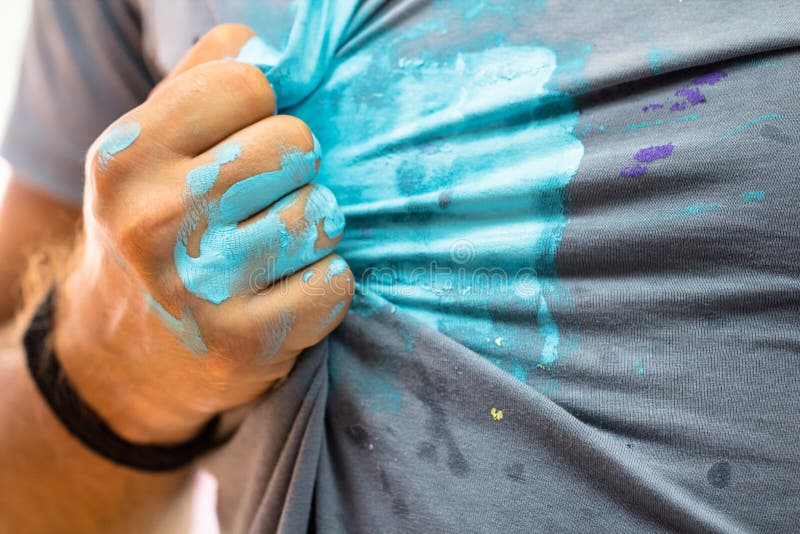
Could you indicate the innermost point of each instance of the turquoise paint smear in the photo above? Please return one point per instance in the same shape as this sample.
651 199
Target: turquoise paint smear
373 381
470 144
699 209
202 179
233 255
277 334
338 266
118 139
646 124
752 196
334 313
503 148
230 255
307 275
686 118
549 331
256 51
658 57
744 126
185 328
251 195
318 31
660 122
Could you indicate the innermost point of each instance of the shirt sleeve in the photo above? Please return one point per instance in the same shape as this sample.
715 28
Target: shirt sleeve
82 68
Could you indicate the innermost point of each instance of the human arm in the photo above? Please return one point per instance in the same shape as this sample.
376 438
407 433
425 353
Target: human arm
33 222
155 334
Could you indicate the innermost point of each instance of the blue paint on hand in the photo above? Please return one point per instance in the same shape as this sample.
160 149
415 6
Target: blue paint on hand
115 141
247 197
203 178
337 267
277 334
231 254
185 328
334 313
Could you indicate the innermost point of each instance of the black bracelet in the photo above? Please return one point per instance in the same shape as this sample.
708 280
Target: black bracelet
83 422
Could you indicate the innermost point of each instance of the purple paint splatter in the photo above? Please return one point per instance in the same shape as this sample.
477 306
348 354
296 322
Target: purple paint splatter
694 96
632 172
710 78
652 153
678 106
652 106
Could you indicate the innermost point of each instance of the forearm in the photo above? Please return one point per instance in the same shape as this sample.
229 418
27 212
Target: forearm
51 483
31 222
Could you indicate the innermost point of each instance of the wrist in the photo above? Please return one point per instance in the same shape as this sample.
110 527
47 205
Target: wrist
95 341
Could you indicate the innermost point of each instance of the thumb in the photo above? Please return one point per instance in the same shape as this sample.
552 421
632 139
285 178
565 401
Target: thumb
223 41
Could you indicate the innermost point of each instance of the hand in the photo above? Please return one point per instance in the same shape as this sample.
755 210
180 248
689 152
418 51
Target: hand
206 265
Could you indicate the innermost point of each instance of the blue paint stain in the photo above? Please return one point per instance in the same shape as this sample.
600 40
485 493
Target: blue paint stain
118 139
506 145
686 118
236 257
698 209
251 195
752 196
201 179
658 57
645 124
745 125
551 338
489 129
660 122
257 52
276 334
307 275
315 38
185 328
332 316
336 267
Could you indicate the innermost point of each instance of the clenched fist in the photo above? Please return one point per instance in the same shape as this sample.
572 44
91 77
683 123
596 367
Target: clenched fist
207 264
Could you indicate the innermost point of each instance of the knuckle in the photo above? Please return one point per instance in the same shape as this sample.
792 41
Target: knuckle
247 81
295 132
105 180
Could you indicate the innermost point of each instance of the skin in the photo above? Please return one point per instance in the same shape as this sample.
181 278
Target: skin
39 222
123 357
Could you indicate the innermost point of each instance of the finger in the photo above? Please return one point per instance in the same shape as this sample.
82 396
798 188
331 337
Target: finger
315 299
305 225
276 156
220 42
205 105
297 231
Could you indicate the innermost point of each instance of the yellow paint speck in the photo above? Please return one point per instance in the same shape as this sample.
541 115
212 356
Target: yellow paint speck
496 414
499 341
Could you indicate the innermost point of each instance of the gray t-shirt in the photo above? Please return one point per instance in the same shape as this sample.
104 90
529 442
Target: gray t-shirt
573 227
